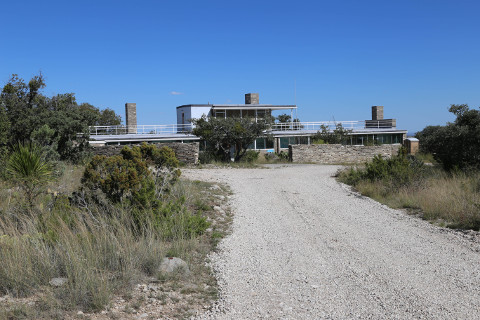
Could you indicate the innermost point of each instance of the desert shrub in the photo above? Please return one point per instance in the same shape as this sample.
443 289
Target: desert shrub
404 182
27 167
250 156
283 155
140 176
162 161
120 179
208 156
397 171
159 157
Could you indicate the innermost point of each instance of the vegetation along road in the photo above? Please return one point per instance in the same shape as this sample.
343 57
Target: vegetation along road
304 246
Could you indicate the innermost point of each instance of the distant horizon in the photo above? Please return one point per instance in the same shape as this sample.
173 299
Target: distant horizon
334 60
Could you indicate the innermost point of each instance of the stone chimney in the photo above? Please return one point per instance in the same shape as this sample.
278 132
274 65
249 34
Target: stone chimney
251 98
131 117
377 112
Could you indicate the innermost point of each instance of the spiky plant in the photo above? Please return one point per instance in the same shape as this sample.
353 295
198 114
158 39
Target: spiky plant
28 168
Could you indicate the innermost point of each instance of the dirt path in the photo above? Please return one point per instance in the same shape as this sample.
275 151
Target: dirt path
304 247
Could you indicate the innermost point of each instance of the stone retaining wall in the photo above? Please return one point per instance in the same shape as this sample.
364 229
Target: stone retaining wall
186 153
337 153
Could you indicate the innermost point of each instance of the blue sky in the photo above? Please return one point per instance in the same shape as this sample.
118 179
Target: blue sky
413 57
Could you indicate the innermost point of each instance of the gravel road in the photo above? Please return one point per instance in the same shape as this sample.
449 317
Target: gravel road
303 246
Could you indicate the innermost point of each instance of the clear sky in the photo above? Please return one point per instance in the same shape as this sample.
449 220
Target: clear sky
413 57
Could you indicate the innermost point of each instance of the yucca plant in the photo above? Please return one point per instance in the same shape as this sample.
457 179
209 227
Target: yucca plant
27 167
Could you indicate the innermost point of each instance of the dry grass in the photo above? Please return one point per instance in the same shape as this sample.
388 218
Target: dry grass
101 255
450 199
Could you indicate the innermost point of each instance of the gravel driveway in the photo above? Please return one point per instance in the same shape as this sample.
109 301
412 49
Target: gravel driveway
305 247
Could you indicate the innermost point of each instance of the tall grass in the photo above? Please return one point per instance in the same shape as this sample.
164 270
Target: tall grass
449 198
101 250
97 255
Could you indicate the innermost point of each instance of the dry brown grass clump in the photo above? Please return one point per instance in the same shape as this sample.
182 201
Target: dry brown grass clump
100 250
451 199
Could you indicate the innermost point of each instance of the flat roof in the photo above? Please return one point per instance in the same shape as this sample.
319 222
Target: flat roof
195 105
278 133
253 106
242 106
143 137
189 136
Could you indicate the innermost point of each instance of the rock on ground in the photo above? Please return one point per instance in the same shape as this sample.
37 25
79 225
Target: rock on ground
303 246
173 264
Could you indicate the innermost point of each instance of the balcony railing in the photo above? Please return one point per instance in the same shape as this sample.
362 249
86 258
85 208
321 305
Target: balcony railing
331 125
289 126
140 129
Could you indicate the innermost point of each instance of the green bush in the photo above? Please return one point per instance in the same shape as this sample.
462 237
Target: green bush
27 167
208 156
250 156
283 155
455 145
128 177
397 171
154 156
120 179
339 135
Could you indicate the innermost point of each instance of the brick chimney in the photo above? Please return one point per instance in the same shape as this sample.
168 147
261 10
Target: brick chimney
251 98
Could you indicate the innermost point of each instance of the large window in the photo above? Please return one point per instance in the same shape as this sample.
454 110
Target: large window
285 141
369 139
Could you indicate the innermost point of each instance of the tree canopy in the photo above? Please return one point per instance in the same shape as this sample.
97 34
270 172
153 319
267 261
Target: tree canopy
27 115
457 144
222 135
339 135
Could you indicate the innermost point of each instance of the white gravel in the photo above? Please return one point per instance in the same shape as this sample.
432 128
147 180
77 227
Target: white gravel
304 246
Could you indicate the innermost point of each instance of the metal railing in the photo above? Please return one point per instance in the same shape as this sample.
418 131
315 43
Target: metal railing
289 126
140 129
331 125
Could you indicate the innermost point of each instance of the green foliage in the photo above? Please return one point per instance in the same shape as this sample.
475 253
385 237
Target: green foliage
28 167
127 177
457 144
283 155
120 179
4 131
174 221
28 112
223 135
250 156
101 249
339 135
96 117
397 171
284 118
159 157
208 156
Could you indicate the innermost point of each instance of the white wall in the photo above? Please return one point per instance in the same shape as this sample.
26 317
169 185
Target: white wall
192 112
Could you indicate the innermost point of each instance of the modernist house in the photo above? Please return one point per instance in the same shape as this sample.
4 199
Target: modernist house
252 109
279 136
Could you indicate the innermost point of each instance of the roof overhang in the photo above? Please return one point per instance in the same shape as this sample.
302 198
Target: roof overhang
354 132
252 107
99 139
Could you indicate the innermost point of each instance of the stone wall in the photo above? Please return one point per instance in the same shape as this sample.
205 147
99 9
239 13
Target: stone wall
336 153
186 153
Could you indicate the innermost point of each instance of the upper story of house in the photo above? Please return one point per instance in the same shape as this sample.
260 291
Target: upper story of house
361 132
252 109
